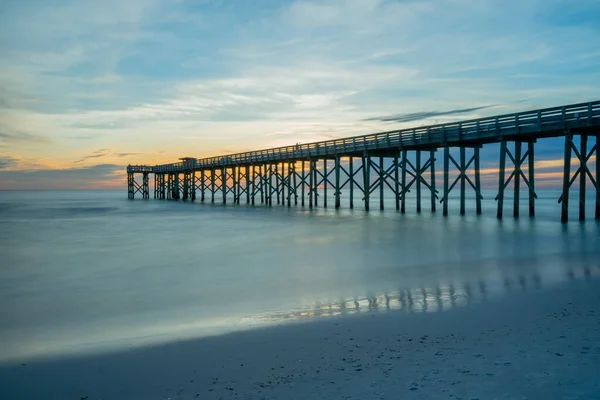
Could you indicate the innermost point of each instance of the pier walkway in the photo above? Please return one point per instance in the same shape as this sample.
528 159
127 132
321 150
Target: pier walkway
399 161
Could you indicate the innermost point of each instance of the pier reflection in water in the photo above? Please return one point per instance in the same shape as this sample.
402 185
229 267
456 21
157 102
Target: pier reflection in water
439 298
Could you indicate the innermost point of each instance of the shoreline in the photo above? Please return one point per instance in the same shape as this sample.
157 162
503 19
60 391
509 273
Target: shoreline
538 344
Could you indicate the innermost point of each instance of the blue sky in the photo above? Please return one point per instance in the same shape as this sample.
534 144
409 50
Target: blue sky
94 85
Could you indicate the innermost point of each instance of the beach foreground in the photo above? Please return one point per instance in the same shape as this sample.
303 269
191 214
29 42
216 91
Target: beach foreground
535 344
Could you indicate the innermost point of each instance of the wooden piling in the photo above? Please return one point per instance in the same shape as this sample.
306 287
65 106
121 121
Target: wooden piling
446 179
234 183
303 183
501 178
404 190
252 184
477 180
337 182
311 180
295 183
202 177
367 178
418 179
325 180
531 173
269 188
289 184
396 183
248 182
582 176
130 186
597 216
193 179
432 171
212 185
381 182
277 181
315 191
261 182
186 184
517 179
145 186
176 187
564 215
351 180
462 180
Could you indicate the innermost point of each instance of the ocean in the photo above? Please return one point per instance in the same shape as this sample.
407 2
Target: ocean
91 271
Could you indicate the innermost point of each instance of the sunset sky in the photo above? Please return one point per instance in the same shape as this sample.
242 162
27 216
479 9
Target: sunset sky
87 87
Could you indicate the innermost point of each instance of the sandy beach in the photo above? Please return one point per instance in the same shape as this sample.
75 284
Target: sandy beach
536 344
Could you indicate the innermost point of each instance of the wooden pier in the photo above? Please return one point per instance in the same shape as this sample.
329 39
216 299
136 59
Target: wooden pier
302 174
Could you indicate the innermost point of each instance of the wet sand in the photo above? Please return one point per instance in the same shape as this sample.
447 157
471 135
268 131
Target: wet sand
540 344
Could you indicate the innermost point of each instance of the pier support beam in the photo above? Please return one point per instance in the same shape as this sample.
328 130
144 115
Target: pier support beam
381 182
133 187
311 183
404 188
295 182
325 181
224 184
202 185
446 180
597 216
130 186
155 186
396 183
315 187
276 188
517 173
186 186
366 164
351 180
418 178
434 192
146 186
212 185
252 190
463 177
583 156
175 187
416 172
303 183
169 186
261 180
337 182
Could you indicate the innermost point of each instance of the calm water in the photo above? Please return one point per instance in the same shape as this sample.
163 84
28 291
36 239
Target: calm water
89 271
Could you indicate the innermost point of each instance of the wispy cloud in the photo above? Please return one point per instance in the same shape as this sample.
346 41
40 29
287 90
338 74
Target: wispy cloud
103 153
23 137
8 161
417 116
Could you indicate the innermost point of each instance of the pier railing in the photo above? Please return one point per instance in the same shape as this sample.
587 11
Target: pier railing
482 130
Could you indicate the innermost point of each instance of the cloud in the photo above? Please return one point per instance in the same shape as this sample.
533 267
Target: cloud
126 154
23 137
417 116
101 153
97 176
96 154
8 161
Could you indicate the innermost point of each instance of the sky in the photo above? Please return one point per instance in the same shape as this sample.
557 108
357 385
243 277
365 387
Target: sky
87 87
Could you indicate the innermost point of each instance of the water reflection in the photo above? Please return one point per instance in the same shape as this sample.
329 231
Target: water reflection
439 298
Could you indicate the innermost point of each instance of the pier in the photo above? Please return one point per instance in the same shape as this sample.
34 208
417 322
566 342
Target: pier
398 161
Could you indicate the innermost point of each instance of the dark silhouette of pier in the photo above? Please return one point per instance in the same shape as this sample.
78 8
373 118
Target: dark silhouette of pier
295 174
